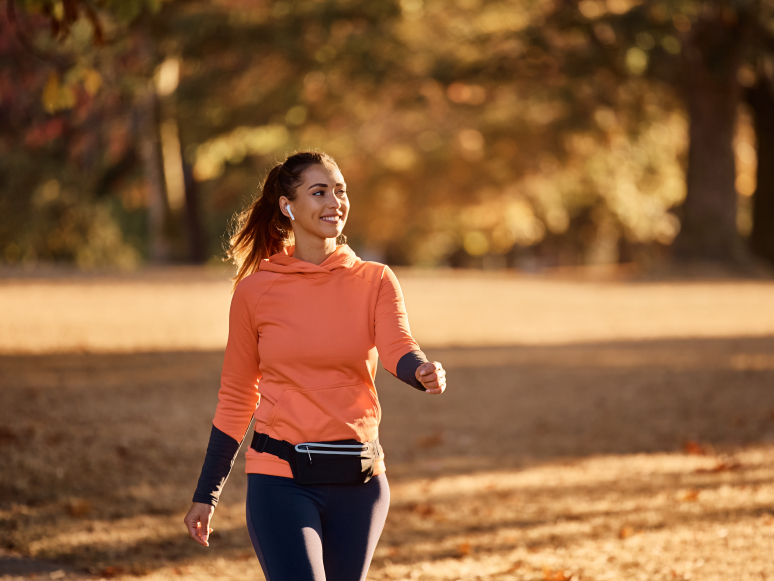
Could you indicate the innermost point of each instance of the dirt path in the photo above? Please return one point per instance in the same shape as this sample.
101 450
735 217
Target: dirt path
617 458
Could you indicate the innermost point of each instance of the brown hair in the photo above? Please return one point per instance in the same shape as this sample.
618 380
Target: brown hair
261 229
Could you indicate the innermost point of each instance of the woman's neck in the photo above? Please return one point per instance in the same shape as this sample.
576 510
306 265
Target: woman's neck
315 250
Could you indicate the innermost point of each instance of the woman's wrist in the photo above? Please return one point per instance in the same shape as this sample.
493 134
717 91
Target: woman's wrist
407 367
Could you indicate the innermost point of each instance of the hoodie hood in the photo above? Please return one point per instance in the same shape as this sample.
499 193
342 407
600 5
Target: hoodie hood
284 262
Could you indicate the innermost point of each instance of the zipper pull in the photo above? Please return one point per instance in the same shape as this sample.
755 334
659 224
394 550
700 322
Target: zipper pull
308 454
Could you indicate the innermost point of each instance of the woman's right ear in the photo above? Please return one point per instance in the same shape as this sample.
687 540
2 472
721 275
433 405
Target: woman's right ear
287 207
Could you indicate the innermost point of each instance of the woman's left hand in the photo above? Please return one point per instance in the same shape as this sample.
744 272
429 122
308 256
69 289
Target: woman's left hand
432 376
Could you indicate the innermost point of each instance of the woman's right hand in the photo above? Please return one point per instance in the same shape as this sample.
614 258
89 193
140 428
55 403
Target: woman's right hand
198 522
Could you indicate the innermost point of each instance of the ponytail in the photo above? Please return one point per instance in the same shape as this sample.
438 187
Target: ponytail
261 229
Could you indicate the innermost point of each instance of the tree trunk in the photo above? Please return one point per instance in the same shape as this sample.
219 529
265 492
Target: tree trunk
708 222
761 99
197 243
159 247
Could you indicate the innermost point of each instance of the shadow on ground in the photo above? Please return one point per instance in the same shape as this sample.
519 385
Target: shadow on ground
103 451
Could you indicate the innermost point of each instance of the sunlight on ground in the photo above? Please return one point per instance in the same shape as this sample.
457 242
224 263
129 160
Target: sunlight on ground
592 430
188 309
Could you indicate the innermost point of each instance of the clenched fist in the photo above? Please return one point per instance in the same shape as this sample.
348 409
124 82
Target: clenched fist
432 376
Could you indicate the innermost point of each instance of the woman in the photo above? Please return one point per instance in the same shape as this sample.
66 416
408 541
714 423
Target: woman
307 323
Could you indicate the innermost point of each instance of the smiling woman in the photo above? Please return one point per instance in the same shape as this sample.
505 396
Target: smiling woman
319 211
310 179
308 322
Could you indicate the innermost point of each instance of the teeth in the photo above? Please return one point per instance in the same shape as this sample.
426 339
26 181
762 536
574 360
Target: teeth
331 218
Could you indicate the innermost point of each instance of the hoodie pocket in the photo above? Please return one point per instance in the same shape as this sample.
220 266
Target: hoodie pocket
326 414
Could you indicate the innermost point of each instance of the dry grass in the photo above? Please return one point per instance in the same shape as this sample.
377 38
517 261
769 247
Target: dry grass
591 431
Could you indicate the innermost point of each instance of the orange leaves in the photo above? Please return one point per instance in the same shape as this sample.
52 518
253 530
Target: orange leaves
560 575
78 508
721 466
57 96
463 550
60 94
691 495
39 135
63 15
111 572
92 81
694 448
421 509
430 441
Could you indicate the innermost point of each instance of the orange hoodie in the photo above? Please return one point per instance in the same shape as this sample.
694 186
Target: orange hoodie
303 344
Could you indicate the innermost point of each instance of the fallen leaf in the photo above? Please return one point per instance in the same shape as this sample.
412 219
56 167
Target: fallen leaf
78 508
420 508
694 448
110 572
626 532
7 435
463 549
551 575
431 441
424 510
691 495
721 467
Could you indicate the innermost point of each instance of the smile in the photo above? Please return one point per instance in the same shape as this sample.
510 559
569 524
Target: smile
331 218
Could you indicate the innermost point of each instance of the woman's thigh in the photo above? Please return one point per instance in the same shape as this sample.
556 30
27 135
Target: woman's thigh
284 523
352 520
318 532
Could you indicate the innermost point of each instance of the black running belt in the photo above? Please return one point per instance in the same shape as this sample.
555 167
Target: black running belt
286 450
265 443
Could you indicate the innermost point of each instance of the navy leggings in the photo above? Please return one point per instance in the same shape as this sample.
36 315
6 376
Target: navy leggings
315 532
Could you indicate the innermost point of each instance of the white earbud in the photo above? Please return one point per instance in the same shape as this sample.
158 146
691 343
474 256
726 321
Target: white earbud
291 213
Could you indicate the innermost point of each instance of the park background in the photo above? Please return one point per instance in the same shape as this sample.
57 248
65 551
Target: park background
578 199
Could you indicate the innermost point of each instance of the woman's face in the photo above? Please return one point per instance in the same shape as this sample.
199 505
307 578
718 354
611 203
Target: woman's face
321 206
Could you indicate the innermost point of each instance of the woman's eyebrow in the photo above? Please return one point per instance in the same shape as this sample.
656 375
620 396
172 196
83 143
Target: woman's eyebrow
323 185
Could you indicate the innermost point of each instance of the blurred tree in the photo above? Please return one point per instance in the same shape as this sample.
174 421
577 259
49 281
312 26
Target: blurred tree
91 47
712 57
476 132
703 47
725 42
761 99
50 158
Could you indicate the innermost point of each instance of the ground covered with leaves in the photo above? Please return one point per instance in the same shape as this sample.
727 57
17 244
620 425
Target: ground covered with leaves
617 457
